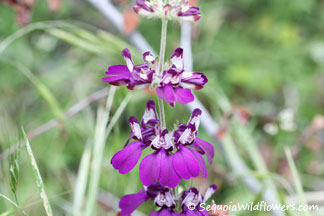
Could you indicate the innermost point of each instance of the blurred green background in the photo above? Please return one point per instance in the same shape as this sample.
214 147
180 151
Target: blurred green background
264 61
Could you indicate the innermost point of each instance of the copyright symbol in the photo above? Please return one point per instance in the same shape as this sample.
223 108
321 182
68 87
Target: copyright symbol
191 206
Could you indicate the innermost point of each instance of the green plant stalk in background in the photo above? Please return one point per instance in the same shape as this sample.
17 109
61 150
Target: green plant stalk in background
82 180
101 135
97 153
164 31
38 178
297 182
14 204
40 86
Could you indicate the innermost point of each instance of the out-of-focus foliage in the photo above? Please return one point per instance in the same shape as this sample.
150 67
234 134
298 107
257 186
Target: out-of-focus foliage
267 57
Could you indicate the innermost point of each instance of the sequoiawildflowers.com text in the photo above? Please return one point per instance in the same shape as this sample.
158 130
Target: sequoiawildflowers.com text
262 206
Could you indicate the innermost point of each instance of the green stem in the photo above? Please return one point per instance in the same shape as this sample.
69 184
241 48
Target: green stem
14 204
164 31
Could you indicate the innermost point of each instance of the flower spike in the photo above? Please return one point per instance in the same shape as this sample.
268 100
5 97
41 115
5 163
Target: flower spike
173 10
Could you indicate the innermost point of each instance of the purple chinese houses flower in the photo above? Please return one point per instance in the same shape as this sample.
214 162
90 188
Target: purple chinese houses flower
189 201
172 10
175 155
192 198
131 75
174 85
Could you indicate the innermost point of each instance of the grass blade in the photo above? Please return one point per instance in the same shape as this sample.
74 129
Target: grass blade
296 178
14 204
98 154
81 182
38 178
40 86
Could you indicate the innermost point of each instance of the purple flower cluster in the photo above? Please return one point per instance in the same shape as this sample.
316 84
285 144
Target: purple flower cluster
174 85
171 10
167 201
175 155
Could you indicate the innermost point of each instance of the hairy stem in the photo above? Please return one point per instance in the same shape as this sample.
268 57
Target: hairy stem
160 69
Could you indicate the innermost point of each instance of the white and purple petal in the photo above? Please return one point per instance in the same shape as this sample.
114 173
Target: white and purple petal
143 8
189 14
193 80
148 58
165 199
191 196
195 118
209 192
136 129
150 117
177 59
188 136
162 141
128 58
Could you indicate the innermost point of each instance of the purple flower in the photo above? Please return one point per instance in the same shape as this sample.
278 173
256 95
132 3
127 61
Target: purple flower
126 159
189 13
175 156
176 84
173 10
194 198
158 165
162 198
188 161
133 76
166 200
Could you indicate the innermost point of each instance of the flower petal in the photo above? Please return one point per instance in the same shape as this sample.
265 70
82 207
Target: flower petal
193 80
129 203
166 93
201 161
136 129
164 212
117 75
177 59
143 8
183 96
195 118
150 117
128 58
210 191
126 159
148 58
156 213
185 163
205 148
189 14
168 176
150 168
